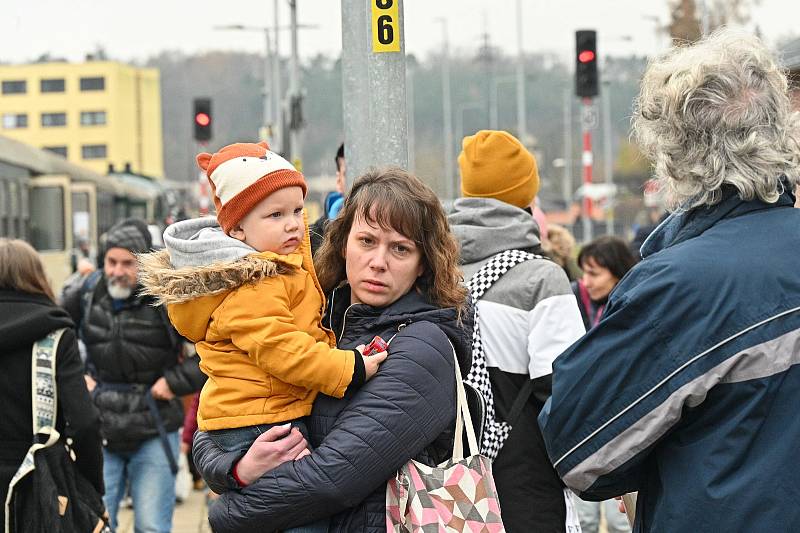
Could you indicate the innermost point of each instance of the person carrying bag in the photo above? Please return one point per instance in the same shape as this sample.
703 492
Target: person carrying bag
453 496
47 493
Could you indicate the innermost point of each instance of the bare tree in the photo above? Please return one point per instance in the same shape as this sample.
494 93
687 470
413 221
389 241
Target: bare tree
685 21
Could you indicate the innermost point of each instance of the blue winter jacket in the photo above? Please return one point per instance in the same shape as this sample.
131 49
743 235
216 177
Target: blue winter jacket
688 389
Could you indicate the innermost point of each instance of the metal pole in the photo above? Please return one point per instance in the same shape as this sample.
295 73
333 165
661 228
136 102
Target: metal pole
447 113
567 183
410 106
277 97
374 84
268 116
493 90
608 166
521 110
587 171
296 150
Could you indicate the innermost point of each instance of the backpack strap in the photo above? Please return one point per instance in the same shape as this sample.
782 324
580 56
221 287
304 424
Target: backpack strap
44 402
494 269
495 431
43 377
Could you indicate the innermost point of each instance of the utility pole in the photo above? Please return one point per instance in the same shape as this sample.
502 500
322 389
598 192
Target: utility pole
567 183
295 127
608 166
522 133
447 114
411 107
374 84
269 121
277 97
588 121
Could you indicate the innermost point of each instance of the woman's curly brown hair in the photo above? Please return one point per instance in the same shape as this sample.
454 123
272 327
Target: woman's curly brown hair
396 200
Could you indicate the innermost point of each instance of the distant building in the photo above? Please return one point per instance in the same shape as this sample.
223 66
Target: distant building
95 114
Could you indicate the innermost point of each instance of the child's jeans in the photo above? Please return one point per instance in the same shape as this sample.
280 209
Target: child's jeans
240 439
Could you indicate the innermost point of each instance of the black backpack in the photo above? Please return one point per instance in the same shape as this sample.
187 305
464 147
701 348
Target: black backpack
48 494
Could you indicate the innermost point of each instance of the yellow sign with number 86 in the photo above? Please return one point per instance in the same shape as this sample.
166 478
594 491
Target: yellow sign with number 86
385 26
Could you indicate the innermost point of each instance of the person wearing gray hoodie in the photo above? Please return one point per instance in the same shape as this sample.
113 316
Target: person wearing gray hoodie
526 318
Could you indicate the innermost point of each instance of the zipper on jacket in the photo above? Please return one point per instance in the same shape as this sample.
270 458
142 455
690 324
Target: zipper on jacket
344 319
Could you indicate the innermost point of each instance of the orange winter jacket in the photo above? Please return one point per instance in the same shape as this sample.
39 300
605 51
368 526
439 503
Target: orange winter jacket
256 324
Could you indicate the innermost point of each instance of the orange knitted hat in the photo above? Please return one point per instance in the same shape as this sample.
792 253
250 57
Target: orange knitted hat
243 174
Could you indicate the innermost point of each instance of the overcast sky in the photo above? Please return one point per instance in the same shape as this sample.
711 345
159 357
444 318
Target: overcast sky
135 30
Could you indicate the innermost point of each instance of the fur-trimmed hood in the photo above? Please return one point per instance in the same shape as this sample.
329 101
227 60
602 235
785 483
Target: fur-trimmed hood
178 285
193 293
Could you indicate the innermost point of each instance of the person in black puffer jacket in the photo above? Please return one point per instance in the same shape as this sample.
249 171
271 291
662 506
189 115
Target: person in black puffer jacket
390 267
133 354
27 314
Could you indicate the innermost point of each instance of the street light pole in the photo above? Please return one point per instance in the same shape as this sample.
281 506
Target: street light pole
521 110
447 114
295 128
277 97
268 132
608 167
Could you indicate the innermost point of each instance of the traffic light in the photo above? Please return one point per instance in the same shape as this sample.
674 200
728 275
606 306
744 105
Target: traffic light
202 119
586 63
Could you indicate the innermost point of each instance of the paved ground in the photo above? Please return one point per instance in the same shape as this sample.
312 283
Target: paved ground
190 516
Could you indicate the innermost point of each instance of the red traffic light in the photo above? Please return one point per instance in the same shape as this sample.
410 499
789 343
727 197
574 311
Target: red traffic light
586 56
202 119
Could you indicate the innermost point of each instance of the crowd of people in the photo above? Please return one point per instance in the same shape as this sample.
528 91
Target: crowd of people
329 355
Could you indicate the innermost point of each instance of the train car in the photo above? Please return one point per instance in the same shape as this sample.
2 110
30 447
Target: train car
60 207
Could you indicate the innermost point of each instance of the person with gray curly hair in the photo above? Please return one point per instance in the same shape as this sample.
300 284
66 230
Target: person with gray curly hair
718 114
686 389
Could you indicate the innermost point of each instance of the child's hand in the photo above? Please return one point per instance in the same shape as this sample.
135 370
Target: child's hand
372 362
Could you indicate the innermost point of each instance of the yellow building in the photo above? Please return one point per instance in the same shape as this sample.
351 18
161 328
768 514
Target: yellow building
95 114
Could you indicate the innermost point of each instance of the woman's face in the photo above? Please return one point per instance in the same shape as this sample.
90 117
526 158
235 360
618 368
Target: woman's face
599 280
381 265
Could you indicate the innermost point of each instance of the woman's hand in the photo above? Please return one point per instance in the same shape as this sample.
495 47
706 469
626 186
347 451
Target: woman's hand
275 446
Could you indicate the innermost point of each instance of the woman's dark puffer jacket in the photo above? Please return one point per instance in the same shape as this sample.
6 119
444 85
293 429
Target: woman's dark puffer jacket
407 410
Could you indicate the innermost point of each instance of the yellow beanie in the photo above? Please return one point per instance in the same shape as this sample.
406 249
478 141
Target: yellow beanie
494 164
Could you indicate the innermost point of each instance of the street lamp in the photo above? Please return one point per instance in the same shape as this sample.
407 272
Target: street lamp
271 99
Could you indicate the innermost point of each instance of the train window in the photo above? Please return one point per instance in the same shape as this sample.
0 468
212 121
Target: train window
60 150
93 151
93 118
93 84
81 217
47 218
13 198
15 87
54 119
54 85
13 121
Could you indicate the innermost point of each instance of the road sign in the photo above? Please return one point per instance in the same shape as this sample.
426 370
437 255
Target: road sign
385 26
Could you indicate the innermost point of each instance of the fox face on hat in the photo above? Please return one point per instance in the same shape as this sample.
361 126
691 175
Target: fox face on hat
243 174
494 164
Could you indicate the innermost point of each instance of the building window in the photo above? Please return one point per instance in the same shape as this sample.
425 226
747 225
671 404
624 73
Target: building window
50 120
15 87
60 150
93 84
55 85
93 151
12 121
93 118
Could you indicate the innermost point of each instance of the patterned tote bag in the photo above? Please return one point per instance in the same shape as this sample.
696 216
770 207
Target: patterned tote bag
457 495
